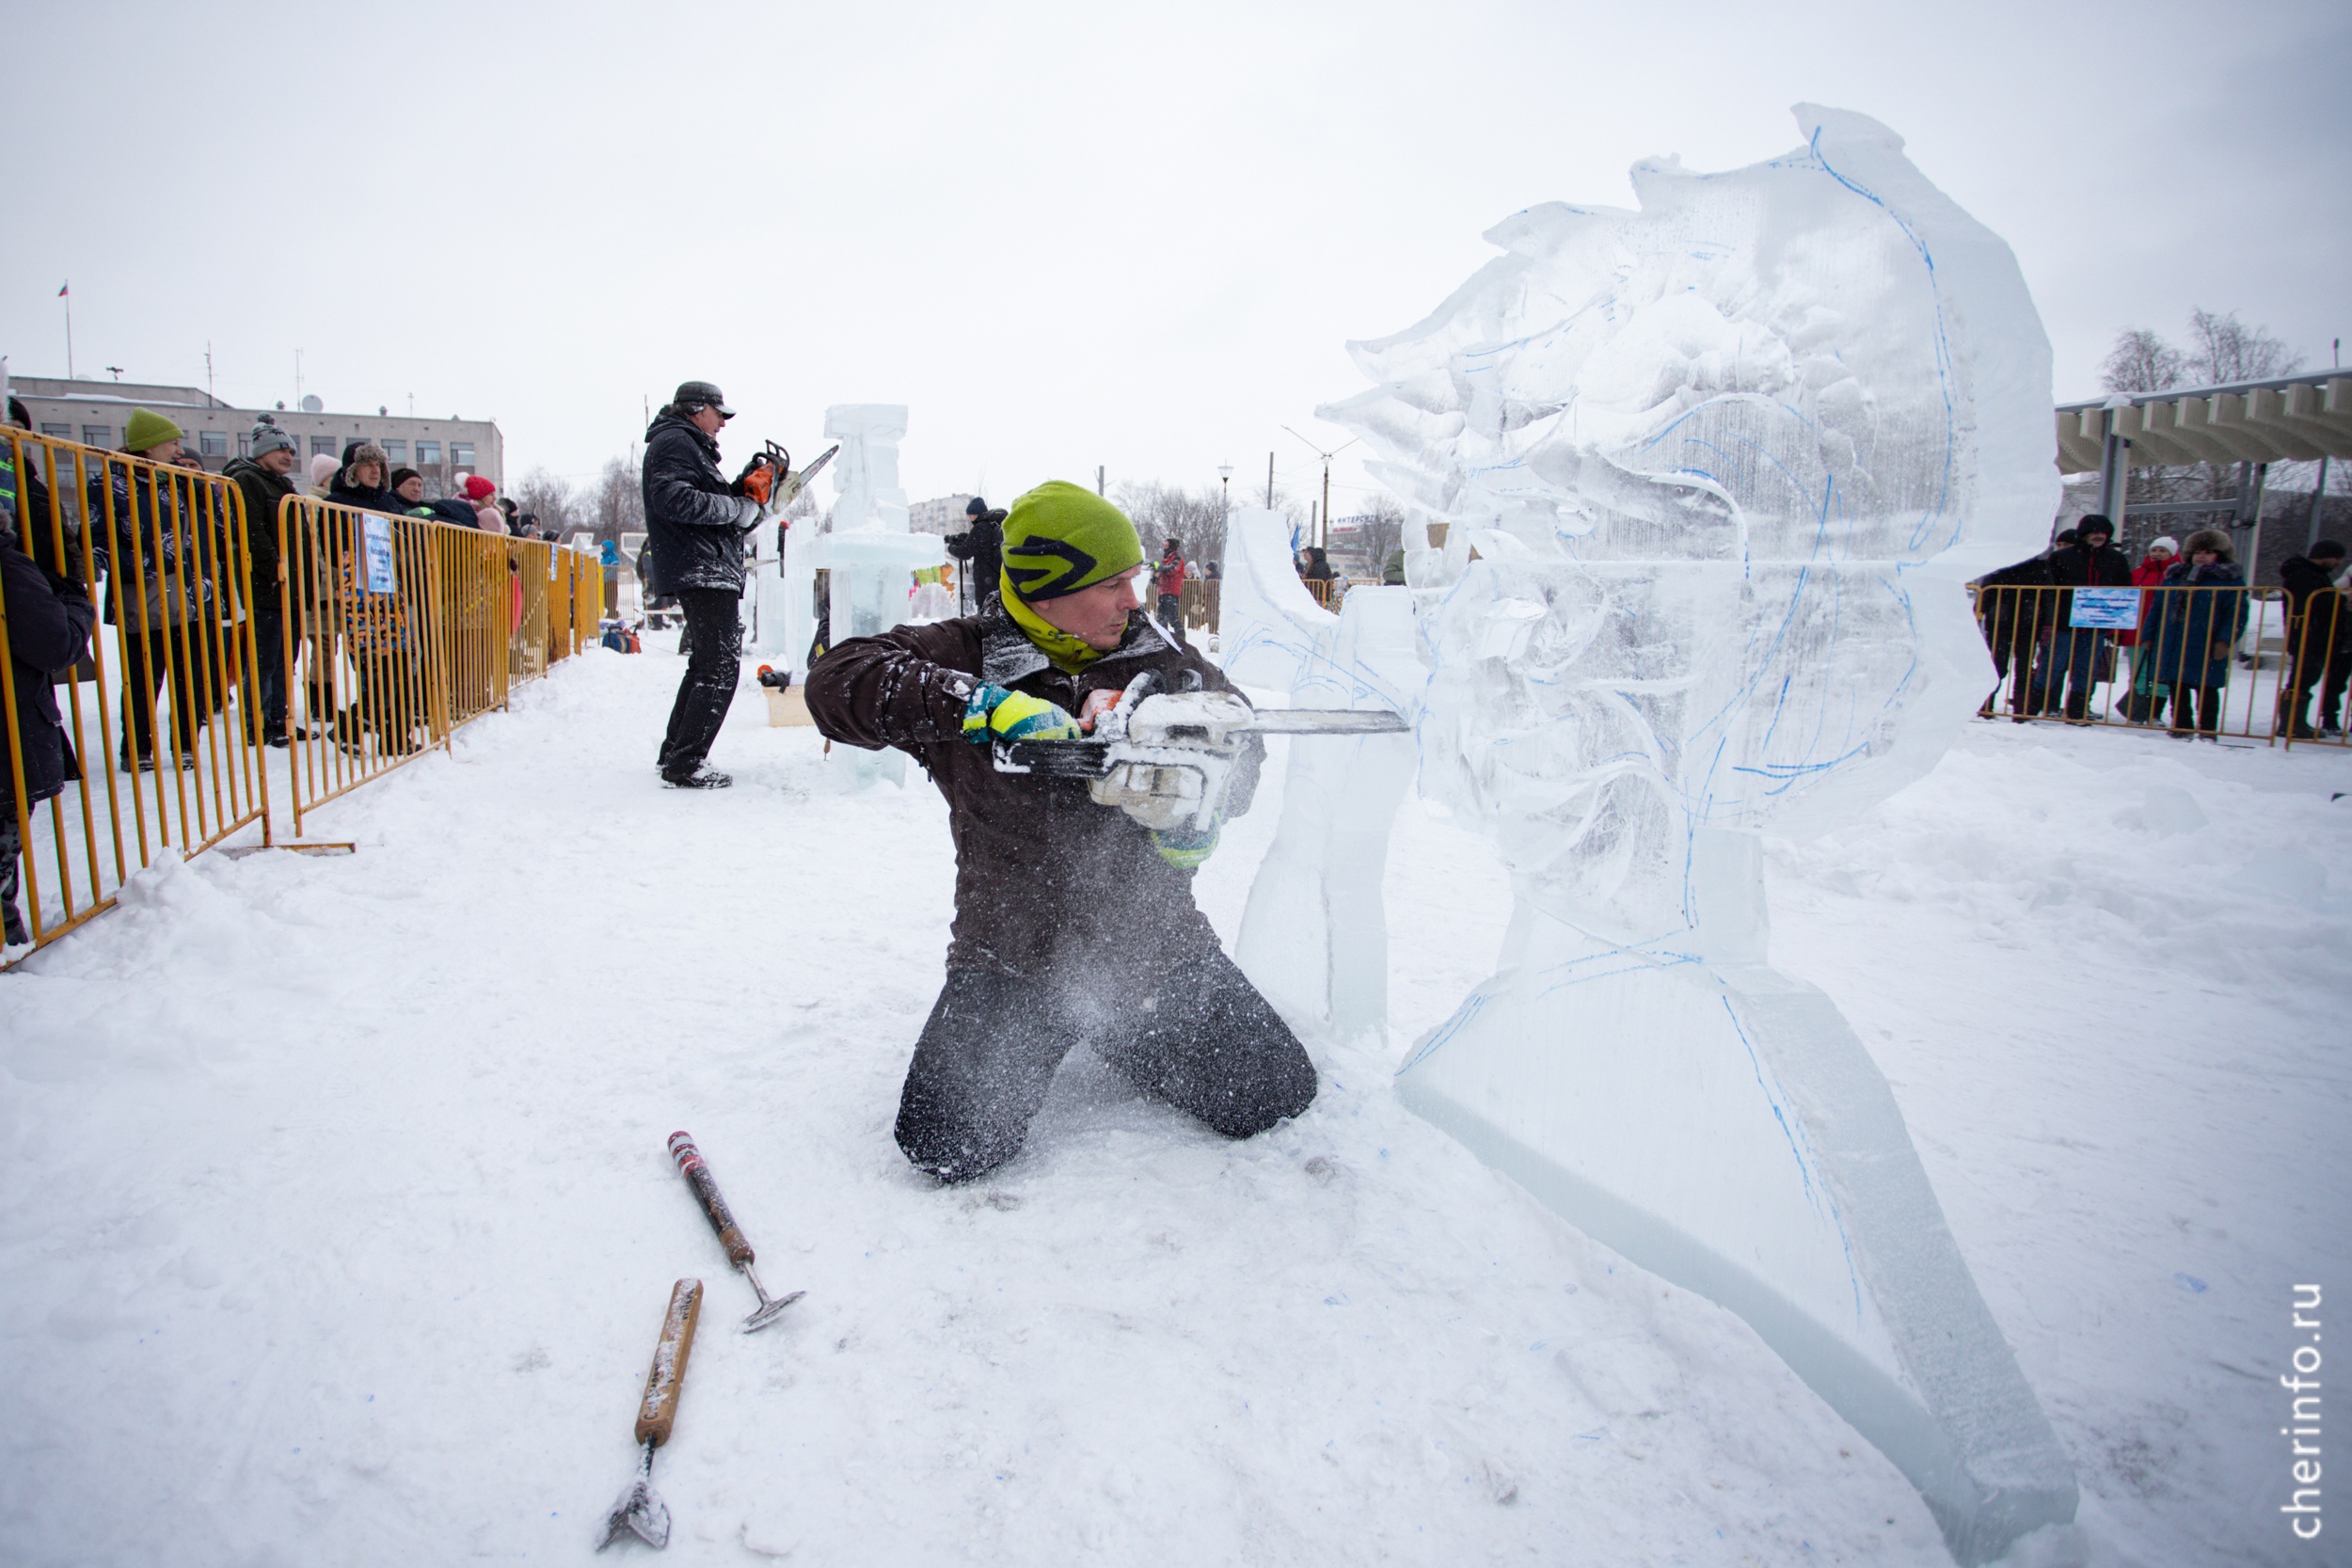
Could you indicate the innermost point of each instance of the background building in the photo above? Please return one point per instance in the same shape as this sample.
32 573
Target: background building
94 412
943 515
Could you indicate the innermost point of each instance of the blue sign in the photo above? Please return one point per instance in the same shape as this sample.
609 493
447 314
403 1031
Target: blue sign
2108 609
378 548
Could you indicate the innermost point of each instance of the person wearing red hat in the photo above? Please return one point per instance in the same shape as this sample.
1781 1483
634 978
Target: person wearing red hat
483 496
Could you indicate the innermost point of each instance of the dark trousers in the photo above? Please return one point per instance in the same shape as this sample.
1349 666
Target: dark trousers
269 665
2322 667
2197 707
146 663
1200 1037
716 633
2073 655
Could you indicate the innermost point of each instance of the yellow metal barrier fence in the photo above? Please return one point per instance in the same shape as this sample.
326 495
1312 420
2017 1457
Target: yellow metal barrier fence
407 628
163 767
2191 660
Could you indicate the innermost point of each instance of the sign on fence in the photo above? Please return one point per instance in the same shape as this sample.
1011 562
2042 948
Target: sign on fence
378 535
2107 608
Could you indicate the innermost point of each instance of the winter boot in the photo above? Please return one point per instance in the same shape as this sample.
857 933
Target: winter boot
701 776
12 929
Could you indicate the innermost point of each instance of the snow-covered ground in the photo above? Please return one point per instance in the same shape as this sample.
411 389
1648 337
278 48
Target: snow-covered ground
337 1225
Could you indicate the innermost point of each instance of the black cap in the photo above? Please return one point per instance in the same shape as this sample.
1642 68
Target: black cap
691 394
2093 524
2324 549
975 507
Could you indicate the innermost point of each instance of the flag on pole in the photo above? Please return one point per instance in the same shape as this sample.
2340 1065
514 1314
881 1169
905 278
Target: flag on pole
62 288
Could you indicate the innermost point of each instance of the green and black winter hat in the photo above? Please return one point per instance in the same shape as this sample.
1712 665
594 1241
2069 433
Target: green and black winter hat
1062 537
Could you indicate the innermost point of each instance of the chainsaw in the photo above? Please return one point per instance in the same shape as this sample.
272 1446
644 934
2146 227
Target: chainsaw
1177 747
785 486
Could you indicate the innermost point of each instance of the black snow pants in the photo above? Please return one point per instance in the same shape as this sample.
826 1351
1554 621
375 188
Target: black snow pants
1200 1037
715 629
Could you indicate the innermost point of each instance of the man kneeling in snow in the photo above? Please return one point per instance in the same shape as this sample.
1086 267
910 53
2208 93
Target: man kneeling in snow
1074 921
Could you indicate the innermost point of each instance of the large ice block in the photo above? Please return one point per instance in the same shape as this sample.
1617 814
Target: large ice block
1714 473
1314 937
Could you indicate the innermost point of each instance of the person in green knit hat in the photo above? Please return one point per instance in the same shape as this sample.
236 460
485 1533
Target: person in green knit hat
1074 920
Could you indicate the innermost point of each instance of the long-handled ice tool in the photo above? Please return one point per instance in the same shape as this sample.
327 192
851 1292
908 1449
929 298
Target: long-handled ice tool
690 1165
641 1508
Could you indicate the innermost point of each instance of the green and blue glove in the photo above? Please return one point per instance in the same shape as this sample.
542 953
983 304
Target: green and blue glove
997 714
1184 849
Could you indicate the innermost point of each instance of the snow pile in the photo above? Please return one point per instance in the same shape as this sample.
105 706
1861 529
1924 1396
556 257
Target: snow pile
340 1226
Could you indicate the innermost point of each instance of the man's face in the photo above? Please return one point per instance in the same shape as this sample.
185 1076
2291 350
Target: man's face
707 420
366 475
1097 616
277 460
411 489
2094 541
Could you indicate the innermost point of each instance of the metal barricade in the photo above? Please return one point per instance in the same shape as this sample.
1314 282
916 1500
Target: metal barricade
2186 659
165 765
407 628
588 591
1197 603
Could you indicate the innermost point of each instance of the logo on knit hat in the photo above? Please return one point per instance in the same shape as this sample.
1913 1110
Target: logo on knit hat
1041 581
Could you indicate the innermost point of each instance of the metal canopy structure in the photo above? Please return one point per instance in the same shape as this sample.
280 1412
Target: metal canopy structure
2296 420
2252 424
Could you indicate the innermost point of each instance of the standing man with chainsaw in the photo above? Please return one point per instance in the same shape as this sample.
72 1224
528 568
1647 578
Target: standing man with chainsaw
1074 919
695 522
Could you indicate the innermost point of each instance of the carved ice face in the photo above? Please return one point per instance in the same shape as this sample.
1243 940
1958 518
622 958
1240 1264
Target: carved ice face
1700 450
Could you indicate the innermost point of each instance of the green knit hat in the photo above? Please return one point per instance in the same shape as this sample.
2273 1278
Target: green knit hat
148 429
1061 537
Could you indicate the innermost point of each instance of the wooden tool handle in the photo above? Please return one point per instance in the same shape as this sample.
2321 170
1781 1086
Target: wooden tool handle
690 1164
659 1412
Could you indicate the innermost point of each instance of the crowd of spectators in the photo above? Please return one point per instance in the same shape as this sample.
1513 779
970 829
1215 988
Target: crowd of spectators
2193 607
165 542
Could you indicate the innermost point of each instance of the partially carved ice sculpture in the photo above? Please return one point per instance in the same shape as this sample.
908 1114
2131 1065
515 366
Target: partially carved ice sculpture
1314 938
1714 471
868 554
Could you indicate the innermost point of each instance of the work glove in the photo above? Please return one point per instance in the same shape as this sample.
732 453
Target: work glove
995 714
1183 848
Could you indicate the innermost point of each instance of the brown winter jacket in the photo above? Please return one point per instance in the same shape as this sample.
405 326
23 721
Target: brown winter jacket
1046 879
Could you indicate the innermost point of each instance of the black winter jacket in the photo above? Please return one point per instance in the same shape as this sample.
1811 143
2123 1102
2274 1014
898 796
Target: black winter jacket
2013 605
1046 879
983 546
694 521
49 620
158 532
2080 566
2306 582
262 491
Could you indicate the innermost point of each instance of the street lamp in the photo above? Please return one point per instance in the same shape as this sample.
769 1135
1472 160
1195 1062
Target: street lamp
1225 478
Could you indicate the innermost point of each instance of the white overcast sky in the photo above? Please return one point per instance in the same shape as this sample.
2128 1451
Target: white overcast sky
1137 236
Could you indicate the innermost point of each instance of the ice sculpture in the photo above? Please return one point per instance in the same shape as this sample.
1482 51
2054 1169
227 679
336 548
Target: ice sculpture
1314 936
1714 470
867 552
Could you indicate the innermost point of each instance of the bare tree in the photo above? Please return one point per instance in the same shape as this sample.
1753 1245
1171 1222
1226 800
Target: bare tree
551 500
2141 361
1382 531
616 504
2223 350
1194 518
